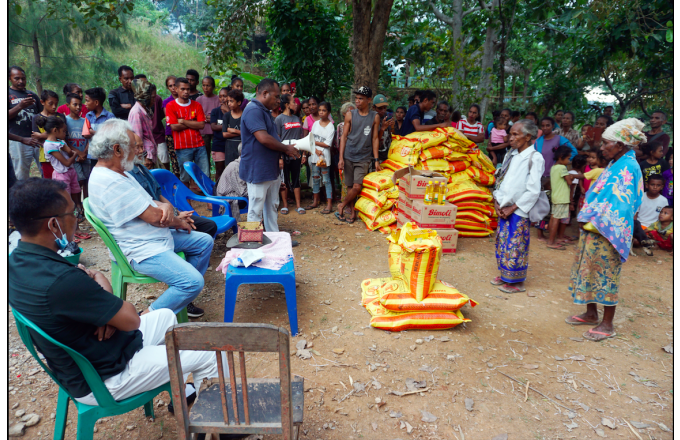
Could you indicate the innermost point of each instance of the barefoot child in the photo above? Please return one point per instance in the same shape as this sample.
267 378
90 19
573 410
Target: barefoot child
323 131
76 141
660 232
560 181
62 157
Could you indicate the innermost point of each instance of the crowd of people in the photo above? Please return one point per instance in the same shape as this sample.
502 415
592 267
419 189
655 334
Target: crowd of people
613 176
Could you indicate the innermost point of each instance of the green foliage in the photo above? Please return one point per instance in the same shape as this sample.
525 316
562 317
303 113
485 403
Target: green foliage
309 47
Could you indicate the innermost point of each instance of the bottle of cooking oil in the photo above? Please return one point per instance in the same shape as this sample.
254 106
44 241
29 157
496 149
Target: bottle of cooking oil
442 193
429 193
435 193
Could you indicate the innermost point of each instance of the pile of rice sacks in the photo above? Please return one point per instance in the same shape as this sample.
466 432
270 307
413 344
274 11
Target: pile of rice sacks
413 297
445 151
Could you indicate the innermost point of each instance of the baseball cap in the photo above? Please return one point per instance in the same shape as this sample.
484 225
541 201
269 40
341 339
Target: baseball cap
363 90
380 101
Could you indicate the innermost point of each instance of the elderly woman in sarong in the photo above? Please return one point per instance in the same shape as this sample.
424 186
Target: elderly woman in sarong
606 236
518 186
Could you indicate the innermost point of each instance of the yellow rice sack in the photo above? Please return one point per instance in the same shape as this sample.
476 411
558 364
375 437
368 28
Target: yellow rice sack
378 198
486 208
369 289
421 252
428 139
392 193
384 219
455 156
404 151
394 260
457 166
433 165
378 180
481 176
458 177
435 153
394 295
472 226
388 229
483 162
466 191
474 234
389 203
368 207
472 216
392 165
385 319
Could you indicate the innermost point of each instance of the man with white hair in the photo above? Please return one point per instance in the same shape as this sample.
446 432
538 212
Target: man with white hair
146 230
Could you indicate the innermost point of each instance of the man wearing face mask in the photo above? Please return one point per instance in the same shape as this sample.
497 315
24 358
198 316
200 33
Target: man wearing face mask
147 231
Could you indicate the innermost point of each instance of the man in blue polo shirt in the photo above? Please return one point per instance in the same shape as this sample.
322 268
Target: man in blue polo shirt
260 151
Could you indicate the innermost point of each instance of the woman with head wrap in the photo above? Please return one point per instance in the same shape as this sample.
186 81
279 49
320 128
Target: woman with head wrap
140 118
606 235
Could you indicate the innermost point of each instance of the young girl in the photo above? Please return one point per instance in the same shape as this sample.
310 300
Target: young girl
560 181
289 127
313 115
499 140
231 126
286 89
217 116
62 157
50 101
237 84
305 111
399 119
655 163
323 131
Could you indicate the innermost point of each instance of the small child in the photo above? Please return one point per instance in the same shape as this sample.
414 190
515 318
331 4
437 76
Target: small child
499 140
660 232
578 165
79 145
655 163
584 130
560 181
96 115
668 176
652 204
50 101
62 157
324 132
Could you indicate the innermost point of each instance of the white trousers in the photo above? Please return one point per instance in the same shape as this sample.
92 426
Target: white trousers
263 202
162 153
148 368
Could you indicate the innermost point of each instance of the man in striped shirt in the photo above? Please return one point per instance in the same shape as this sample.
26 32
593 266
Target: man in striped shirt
186 119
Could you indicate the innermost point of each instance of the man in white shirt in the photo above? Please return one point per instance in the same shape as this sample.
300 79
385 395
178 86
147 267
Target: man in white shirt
146 230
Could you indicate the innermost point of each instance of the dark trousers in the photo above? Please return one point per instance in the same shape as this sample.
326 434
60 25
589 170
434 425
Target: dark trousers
205 225
638 232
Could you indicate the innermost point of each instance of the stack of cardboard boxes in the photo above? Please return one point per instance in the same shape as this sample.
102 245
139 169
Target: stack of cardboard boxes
411 206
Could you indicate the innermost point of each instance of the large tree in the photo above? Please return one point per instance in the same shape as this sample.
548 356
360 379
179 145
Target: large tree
369 20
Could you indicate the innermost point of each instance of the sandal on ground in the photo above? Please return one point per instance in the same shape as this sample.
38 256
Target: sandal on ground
509 288
301 211
556 247
326 210
350 220
284 211
591 335
310 207
497 281
340 217
575 320
83 235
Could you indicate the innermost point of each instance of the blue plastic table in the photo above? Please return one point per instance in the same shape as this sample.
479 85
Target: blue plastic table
255 275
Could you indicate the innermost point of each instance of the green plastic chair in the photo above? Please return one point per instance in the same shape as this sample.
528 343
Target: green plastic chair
122 273
87 414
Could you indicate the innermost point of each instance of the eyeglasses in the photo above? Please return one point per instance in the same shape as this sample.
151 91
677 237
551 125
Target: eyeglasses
74 213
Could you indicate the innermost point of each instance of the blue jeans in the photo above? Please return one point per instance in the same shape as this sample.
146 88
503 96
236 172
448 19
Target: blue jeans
317 174
199 156
184 278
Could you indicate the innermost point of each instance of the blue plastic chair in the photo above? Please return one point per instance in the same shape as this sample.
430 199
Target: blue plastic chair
208 186
256 275
179 195
87 414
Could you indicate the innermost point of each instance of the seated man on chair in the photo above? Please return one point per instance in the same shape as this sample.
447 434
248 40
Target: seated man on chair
146 230
75 306
151 186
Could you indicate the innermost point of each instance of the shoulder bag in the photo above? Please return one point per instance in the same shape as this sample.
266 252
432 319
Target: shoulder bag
542 206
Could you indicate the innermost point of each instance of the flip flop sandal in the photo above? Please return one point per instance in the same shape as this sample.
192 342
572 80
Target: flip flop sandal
301 211
511 289
310 207
497 281
83 235
556 248
326 211
340 217
284 211
351 220
589 335
579 321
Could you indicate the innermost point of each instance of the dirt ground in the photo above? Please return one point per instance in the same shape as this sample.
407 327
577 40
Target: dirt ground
589 390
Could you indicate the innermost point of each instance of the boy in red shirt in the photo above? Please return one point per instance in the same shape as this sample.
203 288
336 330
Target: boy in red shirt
186 120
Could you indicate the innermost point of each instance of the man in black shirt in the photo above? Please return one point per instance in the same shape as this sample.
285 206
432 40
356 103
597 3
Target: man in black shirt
192 76
122 99
442 116
75 306
23 105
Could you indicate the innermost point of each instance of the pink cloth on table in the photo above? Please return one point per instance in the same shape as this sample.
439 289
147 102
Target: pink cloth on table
276 254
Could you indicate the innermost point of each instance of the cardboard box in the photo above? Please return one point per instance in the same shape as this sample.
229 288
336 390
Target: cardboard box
404 202
437 215
413 181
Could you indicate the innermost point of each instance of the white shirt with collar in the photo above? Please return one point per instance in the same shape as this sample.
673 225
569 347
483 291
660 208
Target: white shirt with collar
519 186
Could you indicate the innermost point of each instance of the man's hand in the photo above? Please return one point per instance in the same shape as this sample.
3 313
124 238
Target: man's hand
508 210
31 141
377 166
184 225
341 164
186 216
126 105
168 213
293 152
319 152
26 102
105 332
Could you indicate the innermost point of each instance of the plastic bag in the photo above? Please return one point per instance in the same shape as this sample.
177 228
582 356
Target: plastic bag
394 295
384 219
378 198
368 207
404 151
369 289
378 180
421 252
385 319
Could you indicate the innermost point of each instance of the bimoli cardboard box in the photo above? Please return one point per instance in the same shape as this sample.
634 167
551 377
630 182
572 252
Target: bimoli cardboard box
433 216
413 181
404 202
449 234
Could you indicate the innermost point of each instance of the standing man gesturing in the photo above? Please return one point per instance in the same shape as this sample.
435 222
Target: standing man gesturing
261 148
23 105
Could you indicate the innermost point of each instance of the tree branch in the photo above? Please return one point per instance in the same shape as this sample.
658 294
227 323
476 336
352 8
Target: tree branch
19 27
609 84
644 110
470 11
483 5
440 15
19 44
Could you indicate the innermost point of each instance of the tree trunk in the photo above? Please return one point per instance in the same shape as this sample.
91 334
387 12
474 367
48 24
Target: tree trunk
514 89
525 93
457 49
501 78
370 28
37 63
484 88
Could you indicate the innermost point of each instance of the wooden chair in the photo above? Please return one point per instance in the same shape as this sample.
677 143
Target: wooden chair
247 406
